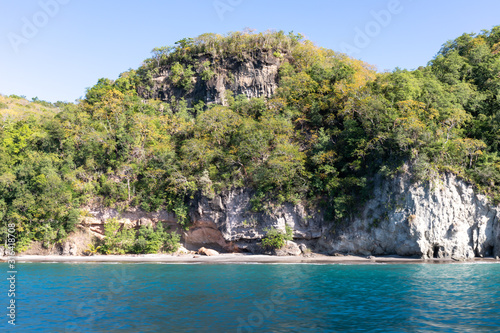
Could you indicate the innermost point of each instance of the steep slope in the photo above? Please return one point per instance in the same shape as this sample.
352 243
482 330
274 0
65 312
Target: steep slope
226 139
443 219
255 76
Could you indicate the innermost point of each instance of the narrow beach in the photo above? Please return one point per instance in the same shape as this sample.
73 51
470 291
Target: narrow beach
237 259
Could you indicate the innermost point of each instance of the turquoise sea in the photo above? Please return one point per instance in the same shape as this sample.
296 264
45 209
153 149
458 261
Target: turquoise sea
56 297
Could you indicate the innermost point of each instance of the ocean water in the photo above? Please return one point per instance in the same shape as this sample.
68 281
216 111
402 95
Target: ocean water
56 297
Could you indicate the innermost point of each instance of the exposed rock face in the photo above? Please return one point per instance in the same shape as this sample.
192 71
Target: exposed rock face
231 213
253 76
76 244
225 223
290 249
204 233
446 220
133 218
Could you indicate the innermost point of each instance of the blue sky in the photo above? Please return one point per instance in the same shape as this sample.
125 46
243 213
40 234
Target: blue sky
54 49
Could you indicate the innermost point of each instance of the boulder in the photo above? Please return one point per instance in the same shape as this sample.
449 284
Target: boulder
182 250
208 252
290 249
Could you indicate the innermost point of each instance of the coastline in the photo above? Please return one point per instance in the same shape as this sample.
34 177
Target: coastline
238 259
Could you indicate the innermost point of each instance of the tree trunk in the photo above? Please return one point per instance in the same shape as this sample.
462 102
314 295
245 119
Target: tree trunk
128 186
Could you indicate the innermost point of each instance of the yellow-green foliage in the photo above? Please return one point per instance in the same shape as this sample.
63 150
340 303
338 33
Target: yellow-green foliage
333 125
15 108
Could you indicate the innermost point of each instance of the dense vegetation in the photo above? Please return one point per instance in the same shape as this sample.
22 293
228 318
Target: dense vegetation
276 239
332 127
147 239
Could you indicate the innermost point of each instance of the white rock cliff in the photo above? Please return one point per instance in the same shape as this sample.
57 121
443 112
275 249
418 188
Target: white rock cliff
444 219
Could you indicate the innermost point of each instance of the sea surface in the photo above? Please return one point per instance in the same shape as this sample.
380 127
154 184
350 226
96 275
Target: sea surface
84 297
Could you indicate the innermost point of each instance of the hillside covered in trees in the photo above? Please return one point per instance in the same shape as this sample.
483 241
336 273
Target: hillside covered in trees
183 124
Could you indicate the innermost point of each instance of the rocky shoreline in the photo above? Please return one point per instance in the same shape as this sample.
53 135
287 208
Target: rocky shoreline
238 258
443 220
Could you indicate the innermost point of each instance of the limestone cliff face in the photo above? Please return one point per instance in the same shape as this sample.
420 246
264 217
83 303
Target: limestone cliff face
223 223
254 76
231 214
446 219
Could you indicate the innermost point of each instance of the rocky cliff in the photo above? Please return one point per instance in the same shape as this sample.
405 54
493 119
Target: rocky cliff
444 219
230 213
252 76
225 222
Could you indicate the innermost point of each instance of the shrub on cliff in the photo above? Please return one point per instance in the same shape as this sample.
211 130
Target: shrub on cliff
275 239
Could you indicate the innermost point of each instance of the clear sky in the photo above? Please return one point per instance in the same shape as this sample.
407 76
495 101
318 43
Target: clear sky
55 49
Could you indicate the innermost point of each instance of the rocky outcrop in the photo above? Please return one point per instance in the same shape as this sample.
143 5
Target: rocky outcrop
96 217
254 75
76 244
201 232
232 215
225 223
444 219
205 233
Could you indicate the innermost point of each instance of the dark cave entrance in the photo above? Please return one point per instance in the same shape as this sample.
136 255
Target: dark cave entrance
436 251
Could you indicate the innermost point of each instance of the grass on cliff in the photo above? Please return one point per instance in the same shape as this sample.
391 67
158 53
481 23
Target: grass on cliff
16 108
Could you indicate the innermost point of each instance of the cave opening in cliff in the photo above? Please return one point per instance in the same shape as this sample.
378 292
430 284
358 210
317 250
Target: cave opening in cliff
436 249
488 251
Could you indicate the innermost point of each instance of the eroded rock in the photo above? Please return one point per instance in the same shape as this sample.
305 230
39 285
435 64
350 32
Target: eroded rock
446 219
252 76
208 252
204 232
232 214
290 249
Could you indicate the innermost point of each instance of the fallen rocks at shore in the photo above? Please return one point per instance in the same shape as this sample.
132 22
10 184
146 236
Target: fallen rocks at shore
208 252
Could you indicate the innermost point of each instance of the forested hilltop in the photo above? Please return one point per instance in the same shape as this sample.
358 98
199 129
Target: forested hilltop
313 126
